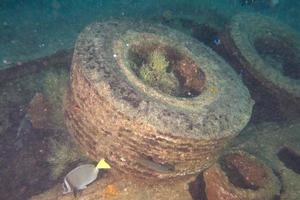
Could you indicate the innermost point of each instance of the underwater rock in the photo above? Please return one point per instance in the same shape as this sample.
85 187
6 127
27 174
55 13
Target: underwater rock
141 129
240 176
60 59
269 52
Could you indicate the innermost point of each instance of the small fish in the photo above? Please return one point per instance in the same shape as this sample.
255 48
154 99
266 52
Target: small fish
216 40
81 176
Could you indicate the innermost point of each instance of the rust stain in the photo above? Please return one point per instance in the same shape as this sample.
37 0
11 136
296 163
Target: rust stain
110 191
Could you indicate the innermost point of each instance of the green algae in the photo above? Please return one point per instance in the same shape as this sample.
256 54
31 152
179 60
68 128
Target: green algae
155 73
55 88
63 153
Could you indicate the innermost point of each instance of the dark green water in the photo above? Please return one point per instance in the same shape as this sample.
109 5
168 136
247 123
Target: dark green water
31 29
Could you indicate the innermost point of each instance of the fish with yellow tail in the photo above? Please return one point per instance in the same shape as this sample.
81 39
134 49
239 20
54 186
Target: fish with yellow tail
83 175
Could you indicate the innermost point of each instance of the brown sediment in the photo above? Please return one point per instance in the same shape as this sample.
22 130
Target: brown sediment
190 76
115 186
240 176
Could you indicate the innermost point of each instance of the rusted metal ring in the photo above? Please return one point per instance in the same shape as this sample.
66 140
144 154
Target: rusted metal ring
240 176
269 50
143 130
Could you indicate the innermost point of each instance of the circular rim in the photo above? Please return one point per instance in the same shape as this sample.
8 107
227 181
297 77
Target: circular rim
221 110
159 135
245 29
205 98
177 61
266 188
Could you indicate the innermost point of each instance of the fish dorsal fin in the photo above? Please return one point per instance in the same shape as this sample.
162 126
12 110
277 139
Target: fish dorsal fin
102 164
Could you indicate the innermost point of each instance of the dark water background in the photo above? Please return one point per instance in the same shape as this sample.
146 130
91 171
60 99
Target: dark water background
31 29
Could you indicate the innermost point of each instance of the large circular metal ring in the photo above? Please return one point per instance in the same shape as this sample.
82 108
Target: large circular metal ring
151 100
269 51
240 176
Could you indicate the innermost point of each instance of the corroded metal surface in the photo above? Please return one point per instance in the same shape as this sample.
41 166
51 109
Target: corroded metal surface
138 129
269 141
251 40
241 177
